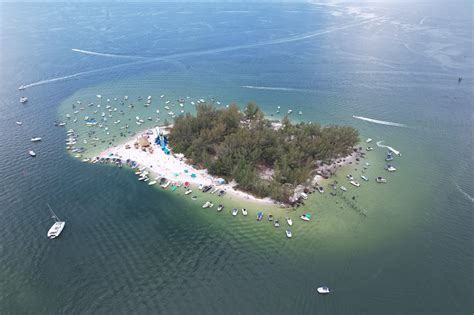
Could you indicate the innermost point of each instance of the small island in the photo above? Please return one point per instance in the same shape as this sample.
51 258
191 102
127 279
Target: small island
265 158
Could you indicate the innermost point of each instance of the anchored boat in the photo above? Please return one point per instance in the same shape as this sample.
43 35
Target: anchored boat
57 227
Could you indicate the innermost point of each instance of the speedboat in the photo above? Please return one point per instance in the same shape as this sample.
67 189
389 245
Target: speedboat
206 188
270 217
369 140
32 153
389 157
214 190
153 182
188 192
235 211
288 233
323 290
276 223
23 99
369 149
343 188
36 139
364 177
355 183
21 87
57 227
207 204
321 189
390 168
380 179
305 217
259 216
194 197
165 185
19 123
220 208
289 221
349 177
244 211
200 186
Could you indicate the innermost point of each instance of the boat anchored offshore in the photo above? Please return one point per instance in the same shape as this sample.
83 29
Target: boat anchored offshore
288 233
390 168
244 211
289 221
35 139
305 217
57 227
235 211
380 179
355 183
323 290
32 153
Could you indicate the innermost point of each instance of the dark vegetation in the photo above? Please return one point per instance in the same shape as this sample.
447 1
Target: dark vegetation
243 146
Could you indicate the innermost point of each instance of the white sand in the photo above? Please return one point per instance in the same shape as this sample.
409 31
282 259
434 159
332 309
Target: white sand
170 166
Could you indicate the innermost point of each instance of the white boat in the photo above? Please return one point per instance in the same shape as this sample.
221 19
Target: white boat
57 227
290 111
200 186
305 217
380 179
99 96
321 189
364 177
32 153
276 223
355 183
188 192
369 140
21 87
350 177
220 207
390 168
323 290
208 204
19 123
165 185
153 182
214 190
288 233
36 139
343 188
244 211
289 221
235 211
23 99
162 95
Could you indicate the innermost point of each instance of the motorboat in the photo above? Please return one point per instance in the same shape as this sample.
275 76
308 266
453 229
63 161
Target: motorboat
19 123
369 140
235 211
380 179
23 99
153 182
305 217
57 227
389 157
32 153
321 189
200 186
390 168
220 208
165 185
207 204
323 290
194 197
350 177
206 188
187 192
355 183
276 223
214 190
364 177
259 216
36 139
270 217
21 87
288 233
343 188
289 221
369 149
244 211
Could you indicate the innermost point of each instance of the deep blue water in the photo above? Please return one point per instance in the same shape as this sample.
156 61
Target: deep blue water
127 248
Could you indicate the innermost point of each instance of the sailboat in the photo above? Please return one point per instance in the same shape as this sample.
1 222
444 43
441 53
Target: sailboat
57 227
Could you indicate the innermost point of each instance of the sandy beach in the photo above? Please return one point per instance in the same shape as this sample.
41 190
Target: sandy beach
171 166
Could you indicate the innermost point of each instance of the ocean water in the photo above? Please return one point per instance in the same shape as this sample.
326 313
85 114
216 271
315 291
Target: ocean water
128 247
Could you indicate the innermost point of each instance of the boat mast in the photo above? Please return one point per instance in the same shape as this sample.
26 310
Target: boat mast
54 216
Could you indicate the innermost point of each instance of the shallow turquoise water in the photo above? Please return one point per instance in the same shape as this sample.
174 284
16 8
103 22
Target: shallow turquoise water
131 248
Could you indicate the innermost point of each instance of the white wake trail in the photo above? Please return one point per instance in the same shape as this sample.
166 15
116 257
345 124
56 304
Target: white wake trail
464 193
380 145
94 53
380 122
270 88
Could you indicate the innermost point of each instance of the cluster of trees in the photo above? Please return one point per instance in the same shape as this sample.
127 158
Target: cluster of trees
243 146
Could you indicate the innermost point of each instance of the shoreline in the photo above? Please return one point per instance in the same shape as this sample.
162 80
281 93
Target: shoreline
175 168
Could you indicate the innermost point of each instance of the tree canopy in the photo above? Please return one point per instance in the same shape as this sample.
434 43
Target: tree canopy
263 159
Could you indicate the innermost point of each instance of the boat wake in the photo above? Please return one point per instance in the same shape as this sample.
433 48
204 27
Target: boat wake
380 145
195 53
270 88
94 53
380 122
464 193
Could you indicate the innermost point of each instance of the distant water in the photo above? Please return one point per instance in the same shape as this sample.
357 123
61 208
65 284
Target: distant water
131 248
